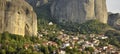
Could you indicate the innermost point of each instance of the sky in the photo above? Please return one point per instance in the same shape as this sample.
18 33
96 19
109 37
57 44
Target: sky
113 6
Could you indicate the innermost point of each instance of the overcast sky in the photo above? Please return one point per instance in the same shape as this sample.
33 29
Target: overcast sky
113 6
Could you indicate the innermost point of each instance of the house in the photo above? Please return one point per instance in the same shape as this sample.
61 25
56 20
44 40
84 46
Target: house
50 23
75 38
26 46
62 52
105 47
87 44
65 45
104 37
80 41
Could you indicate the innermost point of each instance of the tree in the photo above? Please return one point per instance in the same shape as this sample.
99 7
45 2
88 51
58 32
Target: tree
111 33
5 36
93 26
90 49
2 51
11 49
44 49
28 51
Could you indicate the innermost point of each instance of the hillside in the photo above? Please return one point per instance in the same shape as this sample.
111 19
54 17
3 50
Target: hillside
58 27
54 39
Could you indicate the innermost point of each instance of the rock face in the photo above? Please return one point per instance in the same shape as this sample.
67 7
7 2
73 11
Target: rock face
79 10
101 10
114 20
17 17
37 3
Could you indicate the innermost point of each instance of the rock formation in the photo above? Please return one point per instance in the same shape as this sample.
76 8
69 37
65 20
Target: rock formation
79 10
17 17
37 3
114 20
41 7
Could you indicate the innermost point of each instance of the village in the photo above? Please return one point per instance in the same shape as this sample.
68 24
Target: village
97 43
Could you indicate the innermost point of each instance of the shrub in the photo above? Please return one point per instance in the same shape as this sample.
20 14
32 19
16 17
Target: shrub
91 49
89 27
112 33
93 26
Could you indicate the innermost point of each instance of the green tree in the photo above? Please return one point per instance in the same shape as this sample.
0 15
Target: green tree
44 49
93 26
2 51
11 50
90 49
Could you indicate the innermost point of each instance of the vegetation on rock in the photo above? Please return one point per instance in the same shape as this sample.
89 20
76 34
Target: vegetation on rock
89 27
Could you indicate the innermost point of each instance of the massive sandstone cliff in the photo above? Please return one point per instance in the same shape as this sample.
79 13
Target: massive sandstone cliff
73 10
79 10
17 17
41 7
